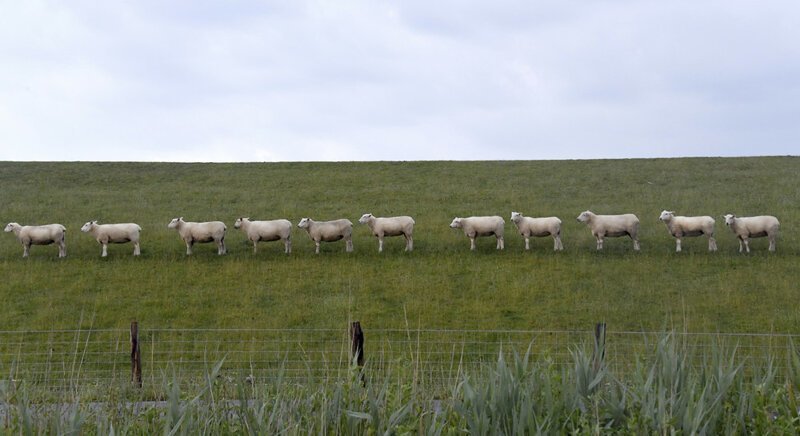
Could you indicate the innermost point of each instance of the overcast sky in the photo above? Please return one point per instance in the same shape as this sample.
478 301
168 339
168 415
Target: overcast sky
405 80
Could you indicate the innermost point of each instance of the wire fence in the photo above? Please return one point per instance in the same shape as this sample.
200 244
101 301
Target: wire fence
60 359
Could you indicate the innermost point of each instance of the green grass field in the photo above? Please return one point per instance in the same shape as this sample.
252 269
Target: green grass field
441 284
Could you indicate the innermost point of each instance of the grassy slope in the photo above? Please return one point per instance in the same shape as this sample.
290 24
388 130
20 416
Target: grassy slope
441 284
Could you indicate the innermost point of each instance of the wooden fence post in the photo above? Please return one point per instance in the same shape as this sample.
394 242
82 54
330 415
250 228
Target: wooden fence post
599 344
136 358
357 343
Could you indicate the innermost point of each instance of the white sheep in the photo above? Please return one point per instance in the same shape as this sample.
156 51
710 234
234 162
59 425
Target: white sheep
680 226
753 227
192 232
545 226
476 226
390 226
114 234
328 231
40 235
611 226
272 230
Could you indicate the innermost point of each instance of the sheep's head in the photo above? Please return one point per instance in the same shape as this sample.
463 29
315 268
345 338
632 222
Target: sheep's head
88 226
516 216
456 224
304 223
174 223
365 218
666 215
729 218
239 221
11 226
585 216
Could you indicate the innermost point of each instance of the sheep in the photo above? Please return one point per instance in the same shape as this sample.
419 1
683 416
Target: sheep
328 231
611 226
476 226
753 227
390 226
40 235
192 232
266 231
680 226
114 234
546 226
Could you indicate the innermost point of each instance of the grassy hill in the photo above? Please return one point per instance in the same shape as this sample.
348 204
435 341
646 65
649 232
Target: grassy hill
441 284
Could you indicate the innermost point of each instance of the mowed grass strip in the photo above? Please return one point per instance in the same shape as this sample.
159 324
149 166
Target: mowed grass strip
439 285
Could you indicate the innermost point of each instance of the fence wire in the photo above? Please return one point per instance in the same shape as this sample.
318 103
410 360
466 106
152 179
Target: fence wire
60 359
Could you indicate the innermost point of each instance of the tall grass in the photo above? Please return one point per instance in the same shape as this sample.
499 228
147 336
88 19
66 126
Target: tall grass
672 389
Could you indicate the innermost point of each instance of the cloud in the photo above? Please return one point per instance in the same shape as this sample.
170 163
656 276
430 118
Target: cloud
354 80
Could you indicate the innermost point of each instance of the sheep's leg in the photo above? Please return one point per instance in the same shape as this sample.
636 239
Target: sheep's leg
472 242
349 245
136 249
747 245
677 245
712 244
599 241
409 243
771 242
255 247
317 247
287 245
189 243
221 247
635 238
380 244
62 249
527 242
500 243
105 250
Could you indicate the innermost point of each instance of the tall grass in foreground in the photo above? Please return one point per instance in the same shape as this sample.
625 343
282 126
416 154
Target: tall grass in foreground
673 389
